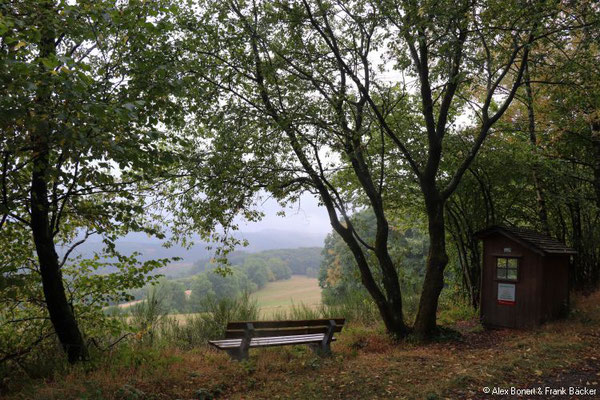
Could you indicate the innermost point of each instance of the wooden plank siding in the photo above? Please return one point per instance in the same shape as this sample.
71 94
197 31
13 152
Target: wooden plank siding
555 298
541 288
525 311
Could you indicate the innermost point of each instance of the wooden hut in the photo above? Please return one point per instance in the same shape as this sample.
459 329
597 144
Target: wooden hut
524 279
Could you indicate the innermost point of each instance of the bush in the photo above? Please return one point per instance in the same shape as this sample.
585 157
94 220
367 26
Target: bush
356 307
147 316
197 329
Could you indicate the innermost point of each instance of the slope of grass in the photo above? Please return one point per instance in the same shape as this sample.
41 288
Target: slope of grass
279 296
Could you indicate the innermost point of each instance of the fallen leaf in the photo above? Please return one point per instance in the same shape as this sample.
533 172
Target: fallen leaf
19 45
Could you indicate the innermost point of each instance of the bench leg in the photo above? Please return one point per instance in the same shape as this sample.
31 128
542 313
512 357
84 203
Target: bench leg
238 354
321 349
241 353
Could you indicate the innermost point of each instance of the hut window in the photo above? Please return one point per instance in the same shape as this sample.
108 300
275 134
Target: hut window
507 268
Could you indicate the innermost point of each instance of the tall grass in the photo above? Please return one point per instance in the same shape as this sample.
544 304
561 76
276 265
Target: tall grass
198 328
151 322
300 311
148 316
355 307
154 327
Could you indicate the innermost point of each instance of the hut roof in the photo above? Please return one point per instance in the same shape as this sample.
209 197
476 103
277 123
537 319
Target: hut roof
536 241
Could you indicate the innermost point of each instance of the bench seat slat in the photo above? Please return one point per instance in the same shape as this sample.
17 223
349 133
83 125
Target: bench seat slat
273 338
295 337
261 332
269 341
240 325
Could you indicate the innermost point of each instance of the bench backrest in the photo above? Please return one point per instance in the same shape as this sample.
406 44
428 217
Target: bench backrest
236 330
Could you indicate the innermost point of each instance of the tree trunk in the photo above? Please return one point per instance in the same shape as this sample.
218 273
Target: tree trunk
393 319
595 126
59 309
540 198
61 313
390 307
437 259
475 273
390 302
579 264
596 166
394 316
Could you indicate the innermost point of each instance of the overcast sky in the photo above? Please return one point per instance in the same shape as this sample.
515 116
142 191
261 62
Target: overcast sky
306 216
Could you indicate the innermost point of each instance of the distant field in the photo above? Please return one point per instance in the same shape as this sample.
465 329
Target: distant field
279 296
275 297
129 304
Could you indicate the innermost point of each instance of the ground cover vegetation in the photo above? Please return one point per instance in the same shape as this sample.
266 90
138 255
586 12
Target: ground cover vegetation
366 363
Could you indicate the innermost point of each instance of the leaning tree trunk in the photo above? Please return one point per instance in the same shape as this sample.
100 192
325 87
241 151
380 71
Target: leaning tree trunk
61 313
393 314
437 259
390 306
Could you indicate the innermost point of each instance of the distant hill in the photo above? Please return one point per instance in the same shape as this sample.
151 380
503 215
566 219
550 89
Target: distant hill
280 239
151 248
302 261
186 288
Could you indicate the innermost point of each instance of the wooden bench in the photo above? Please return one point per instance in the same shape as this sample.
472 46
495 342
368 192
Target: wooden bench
242 336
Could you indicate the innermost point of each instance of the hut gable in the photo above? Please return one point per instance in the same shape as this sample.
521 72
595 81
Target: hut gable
537 242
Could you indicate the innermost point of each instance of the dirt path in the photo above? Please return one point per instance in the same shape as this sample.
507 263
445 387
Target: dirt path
585 375
580 381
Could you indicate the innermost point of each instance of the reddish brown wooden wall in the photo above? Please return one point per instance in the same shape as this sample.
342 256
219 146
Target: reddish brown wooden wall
528 291
555 295
542 288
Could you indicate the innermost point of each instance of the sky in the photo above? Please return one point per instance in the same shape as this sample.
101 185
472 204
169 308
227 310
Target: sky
306 216
306 224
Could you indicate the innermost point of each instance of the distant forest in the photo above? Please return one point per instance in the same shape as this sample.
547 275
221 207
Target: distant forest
301 261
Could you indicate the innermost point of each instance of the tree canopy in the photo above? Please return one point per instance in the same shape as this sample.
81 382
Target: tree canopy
84 87
402 117
363 105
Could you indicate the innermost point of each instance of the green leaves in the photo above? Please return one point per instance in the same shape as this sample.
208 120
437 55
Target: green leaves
98 80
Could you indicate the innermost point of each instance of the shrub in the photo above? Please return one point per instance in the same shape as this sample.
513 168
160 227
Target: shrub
356 307
147 315
197 329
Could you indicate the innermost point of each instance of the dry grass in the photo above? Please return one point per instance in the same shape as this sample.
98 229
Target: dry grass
366 364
